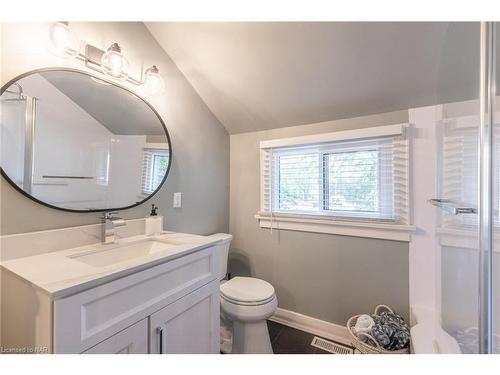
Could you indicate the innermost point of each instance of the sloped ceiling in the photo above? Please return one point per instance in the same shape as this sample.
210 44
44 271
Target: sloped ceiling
118 110
257 76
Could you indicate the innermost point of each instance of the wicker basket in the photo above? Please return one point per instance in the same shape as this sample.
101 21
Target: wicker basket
365 347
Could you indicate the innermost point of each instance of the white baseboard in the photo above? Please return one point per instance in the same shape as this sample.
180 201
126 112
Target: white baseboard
312 325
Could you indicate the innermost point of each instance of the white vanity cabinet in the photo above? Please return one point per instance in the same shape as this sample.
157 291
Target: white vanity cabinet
132 340
172 307
187 325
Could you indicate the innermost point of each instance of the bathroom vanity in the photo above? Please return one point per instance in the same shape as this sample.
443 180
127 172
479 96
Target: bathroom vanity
77 142
143 294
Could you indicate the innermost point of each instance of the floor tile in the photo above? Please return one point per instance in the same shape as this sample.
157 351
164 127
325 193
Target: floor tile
274 330
293 341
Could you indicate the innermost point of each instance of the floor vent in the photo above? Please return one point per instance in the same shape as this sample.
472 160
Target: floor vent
330 346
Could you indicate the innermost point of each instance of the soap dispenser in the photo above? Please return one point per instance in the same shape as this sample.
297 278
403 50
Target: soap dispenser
154 223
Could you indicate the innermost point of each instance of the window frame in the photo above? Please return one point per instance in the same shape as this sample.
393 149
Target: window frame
332 221
156 156
149 177
324 190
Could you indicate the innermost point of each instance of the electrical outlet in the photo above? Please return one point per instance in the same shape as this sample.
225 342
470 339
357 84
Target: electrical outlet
177 200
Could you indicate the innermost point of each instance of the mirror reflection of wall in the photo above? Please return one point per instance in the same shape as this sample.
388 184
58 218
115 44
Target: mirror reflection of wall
13 113
88 144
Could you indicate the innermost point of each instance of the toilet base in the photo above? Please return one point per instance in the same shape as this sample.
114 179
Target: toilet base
226 334
251 338
249 321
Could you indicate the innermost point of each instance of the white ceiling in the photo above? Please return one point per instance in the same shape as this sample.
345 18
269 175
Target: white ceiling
257 76
118 110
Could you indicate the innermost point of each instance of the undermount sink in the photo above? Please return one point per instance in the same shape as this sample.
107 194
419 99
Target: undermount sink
113 254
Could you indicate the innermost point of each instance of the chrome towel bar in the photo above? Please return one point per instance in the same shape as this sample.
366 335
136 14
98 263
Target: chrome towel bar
456 208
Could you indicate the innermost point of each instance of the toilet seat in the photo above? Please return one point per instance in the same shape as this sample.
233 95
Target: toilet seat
238 312
247 291
241 303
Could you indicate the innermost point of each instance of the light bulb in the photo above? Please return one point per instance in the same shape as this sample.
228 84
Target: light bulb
64 41
114 63
153 83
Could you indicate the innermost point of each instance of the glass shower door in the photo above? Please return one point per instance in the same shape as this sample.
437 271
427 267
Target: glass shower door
496 189
468 141
457 136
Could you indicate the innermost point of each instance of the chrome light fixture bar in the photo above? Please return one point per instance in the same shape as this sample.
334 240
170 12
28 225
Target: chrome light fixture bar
111 62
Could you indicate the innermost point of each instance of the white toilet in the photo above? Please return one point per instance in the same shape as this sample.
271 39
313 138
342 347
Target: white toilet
247 302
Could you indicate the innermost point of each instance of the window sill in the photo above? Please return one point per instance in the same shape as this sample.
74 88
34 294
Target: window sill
314 224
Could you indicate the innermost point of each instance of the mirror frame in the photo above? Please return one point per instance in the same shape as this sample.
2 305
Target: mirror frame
16 187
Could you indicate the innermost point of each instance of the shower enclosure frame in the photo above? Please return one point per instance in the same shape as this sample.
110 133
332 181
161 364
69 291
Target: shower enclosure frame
486 200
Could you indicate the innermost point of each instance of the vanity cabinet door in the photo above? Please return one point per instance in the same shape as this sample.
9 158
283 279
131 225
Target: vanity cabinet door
85 319
132 340
189 325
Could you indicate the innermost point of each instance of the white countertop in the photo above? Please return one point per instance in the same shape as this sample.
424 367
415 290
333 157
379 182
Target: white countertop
58 275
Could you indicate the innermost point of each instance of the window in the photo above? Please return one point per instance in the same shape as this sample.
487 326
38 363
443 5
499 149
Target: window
155 166
352 181
102 166
355 175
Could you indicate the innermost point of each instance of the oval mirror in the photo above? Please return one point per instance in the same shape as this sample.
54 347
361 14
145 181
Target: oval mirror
76 142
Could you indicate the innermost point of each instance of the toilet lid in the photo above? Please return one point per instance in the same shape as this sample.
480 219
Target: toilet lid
247 289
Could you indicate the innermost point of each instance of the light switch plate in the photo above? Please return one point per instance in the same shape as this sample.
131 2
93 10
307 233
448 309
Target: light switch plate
177 200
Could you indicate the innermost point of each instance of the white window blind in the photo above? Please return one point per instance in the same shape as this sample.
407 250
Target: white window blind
459 168
360 178
154 167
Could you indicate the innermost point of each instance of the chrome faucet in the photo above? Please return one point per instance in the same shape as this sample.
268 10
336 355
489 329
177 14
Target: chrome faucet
109 223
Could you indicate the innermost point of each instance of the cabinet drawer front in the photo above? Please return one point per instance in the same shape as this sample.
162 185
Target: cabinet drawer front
132 340
85 319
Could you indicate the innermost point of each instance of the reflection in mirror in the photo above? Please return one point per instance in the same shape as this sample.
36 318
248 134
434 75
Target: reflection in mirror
77 142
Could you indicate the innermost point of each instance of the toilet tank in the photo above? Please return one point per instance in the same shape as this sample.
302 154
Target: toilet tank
223 249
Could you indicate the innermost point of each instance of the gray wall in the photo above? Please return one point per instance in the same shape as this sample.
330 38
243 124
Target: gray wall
328 277
200 143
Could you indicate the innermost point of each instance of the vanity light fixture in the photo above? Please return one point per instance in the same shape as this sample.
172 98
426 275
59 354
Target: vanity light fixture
64 42
114 64
153 83
110 62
